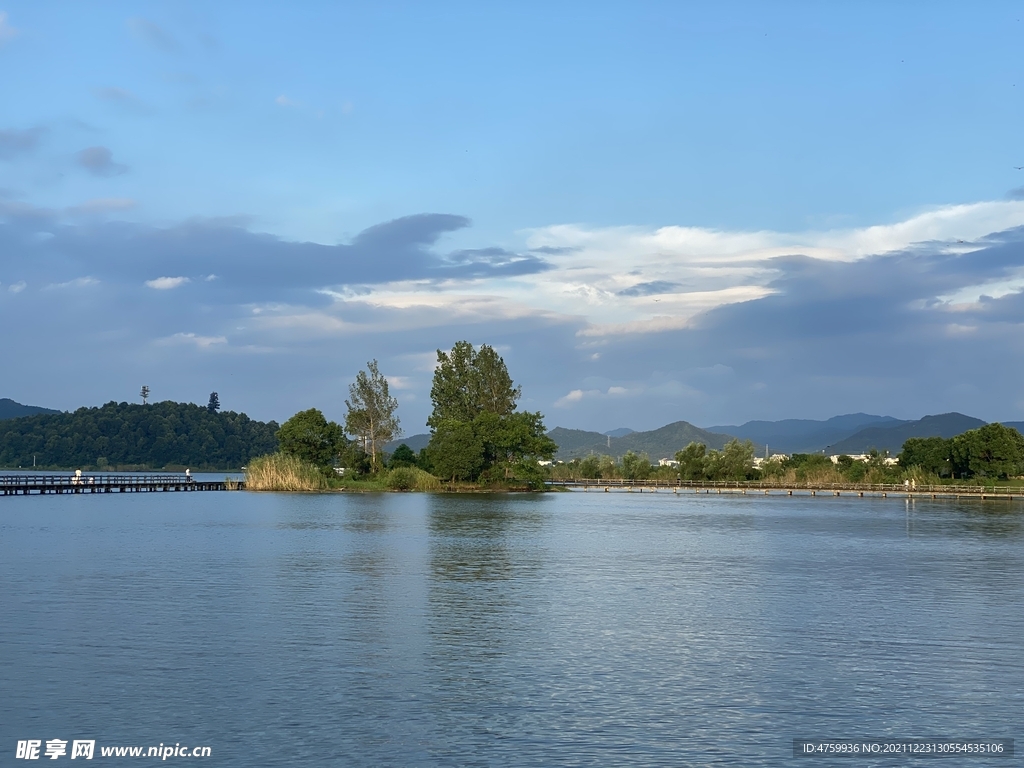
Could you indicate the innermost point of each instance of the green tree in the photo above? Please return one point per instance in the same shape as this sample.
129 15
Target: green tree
989 451
931 454
371 412
737 460
636 466
214 405
311 437
402 457
468 383
590 467
456 451
691 461
513 438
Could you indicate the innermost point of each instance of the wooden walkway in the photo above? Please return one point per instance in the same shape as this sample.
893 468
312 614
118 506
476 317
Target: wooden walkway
23 484
859 490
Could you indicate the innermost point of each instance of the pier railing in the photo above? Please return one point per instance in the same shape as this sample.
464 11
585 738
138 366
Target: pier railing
25 483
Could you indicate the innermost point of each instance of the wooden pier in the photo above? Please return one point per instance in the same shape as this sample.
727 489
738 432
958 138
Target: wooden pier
753 487
24 484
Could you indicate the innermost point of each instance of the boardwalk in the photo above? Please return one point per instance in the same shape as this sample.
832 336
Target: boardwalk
23 484
797 489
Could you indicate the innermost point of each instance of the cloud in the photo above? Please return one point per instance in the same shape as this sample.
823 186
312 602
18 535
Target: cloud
202 342
122 98
17 287
7 32
100 205
14 143
152 34
754 325
1016 194
649 289
167 283
78 282
284 101
99 161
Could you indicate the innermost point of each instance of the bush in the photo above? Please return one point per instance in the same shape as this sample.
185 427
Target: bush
411 479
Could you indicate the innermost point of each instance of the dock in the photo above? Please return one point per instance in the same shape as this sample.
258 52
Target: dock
767 488
25 484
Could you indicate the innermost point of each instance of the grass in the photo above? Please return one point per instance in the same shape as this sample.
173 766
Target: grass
279 472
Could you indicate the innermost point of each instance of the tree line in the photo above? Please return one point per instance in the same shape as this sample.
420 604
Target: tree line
989 452
123 435
478 434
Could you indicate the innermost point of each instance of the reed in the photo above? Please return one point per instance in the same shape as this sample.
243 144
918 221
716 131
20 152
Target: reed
280 472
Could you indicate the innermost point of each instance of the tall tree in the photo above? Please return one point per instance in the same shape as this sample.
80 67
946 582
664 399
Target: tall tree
468 383
371 413
311 437
144 394
214 405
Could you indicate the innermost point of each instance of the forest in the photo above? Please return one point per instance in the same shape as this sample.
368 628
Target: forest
129 436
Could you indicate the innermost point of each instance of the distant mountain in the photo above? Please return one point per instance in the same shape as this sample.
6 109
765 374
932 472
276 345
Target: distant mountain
415 442
12 410
1018 425
620 432
892 438
804 435
658 443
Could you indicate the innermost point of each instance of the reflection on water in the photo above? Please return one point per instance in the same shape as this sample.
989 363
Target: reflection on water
559 629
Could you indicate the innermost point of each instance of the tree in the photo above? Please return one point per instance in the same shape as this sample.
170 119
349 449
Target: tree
312 438
931 454
468 383
402 457
371 412
456 451
737 460
214 405
636 466
691 461
511 439
144 394
989 451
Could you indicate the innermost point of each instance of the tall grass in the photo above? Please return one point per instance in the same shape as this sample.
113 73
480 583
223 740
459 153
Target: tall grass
279 472
411 479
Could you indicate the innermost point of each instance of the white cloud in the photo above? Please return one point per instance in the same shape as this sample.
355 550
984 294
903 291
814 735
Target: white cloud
78 282
7 32
284 101
203 342
17 287
167 283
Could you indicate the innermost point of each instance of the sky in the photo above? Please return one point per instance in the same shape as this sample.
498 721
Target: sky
710 212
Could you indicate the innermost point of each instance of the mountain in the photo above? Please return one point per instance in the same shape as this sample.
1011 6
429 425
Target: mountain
804 435
620 432
658 443
415 442
12 410
892 438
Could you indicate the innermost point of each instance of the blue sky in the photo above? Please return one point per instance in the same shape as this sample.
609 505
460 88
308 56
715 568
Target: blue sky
710 212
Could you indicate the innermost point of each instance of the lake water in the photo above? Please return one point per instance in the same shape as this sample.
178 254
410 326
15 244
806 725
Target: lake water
535 630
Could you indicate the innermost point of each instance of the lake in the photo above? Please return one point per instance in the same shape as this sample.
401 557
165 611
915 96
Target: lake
562 629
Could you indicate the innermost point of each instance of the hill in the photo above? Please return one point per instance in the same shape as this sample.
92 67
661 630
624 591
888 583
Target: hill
892 438
12 410
143 436
804 435
657 443
415 442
